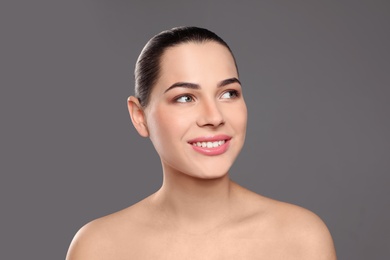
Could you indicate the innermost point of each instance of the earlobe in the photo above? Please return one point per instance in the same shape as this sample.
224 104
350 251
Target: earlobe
137 116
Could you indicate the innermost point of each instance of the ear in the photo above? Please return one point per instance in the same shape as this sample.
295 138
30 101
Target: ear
137 116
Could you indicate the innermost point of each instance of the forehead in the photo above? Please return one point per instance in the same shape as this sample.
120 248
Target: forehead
197 61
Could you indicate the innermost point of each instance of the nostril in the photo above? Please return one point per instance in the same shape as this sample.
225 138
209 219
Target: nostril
210 114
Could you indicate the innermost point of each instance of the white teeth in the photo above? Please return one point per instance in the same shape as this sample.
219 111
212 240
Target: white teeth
209 144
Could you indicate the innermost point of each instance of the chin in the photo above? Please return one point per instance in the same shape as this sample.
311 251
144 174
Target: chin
206 170
214 177
209 174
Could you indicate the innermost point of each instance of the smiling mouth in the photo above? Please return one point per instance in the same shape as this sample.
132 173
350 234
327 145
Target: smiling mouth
213 144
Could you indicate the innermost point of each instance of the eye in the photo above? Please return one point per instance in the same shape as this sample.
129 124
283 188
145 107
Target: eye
184 99
230 94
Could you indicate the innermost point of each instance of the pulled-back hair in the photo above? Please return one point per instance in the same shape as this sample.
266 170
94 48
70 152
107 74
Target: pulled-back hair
147 68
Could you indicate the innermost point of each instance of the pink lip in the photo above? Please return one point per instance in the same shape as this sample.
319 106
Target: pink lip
214 150
210 138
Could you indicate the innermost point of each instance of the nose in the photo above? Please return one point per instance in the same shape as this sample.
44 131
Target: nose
210 114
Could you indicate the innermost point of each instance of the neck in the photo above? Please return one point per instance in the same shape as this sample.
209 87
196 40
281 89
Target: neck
195 202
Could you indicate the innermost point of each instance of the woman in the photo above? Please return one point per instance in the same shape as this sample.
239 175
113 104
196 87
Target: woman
188 101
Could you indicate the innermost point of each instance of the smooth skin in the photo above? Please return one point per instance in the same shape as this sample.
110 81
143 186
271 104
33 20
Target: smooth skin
199 213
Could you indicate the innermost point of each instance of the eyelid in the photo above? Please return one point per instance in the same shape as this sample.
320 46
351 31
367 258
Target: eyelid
176 98
235 92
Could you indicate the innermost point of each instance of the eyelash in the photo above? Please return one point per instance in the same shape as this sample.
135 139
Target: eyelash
234 94
182 96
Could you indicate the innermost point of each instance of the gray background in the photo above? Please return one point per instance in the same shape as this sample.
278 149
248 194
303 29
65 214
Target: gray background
316 81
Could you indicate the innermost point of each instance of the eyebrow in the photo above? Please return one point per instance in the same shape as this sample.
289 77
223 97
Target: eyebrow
197 86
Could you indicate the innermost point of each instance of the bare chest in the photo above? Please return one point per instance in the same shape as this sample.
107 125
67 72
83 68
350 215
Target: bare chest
228 245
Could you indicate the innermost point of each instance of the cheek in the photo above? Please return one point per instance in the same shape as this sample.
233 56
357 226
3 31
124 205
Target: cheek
165 125
239 117
244 117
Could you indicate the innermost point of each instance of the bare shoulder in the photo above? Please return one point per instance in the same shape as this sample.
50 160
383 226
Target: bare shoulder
291 229
306 231
104 237
88 242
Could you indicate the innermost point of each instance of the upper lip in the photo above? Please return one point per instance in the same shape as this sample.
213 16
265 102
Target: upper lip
212 138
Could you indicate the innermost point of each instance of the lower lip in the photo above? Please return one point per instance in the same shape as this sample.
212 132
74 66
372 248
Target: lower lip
212 151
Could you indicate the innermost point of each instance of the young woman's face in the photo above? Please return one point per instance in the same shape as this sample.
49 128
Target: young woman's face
197 115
